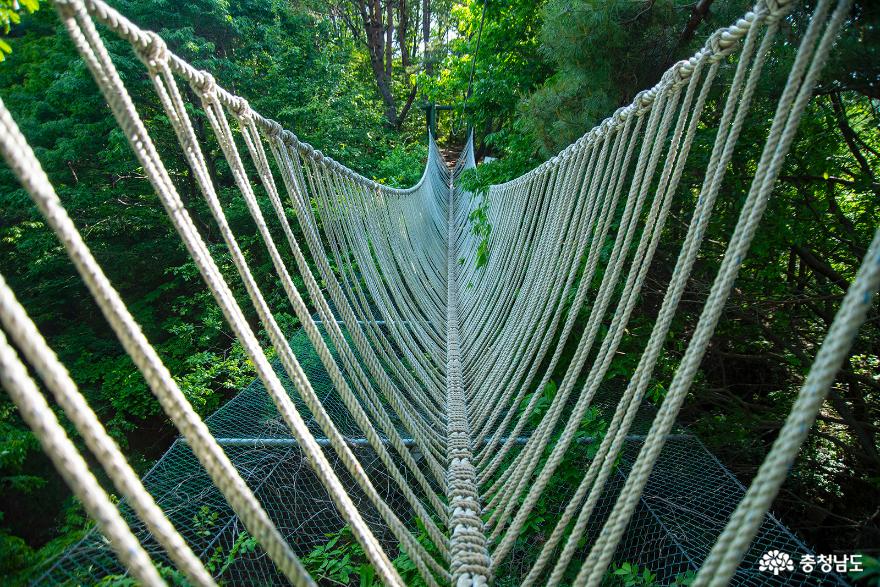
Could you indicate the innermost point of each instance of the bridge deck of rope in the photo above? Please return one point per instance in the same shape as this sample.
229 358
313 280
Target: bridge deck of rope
688 489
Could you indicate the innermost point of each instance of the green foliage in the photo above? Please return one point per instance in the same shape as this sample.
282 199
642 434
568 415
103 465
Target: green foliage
17 557
565 479
217 564
592 429
10 14
684 579
479 179
292 63
482 228
571 66
478 182
403 165
604 52
630 575
507 68
204 520
17 443
870 573
546 72
405 566
220 561
16 554
542 404
342 561
337 560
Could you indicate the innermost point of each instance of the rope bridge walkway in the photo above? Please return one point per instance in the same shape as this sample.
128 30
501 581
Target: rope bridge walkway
402 409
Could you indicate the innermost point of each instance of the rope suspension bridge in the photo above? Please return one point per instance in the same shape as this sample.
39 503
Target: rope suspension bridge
401 409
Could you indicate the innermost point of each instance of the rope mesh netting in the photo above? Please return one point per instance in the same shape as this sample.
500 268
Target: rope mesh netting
278 474
413 409
685 504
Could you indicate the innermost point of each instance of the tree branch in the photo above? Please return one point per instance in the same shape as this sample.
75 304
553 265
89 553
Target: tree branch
698 14
820 266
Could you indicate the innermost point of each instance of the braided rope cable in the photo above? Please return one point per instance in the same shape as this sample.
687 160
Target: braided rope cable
36 351
174 107
804 71
539 344
88 42
470 565
21 159
654 143
596 237
631 399
37 414
419 429
575 502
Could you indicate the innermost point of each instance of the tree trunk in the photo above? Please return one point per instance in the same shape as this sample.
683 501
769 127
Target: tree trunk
389 38
426 36
402 30
376 37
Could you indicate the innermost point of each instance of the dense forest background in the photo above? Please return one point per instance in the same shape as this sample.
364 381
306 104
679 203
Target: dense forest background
353 77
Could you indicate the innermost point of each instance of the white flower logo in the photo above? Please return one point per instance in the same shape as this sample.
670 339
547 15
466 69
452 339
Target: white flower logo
775 562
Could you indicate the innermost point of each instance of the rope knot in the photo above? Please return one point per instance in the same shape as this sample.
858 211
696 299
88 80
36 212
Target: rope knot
776 8
242 108
643 101
289 139
681 73
275 128
473 580
204 84
154 51
714 43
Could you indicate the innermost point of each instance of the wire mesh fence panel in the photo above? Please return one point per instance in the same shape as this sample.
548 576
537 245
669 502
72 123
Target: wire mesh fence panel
687 500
